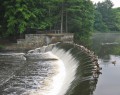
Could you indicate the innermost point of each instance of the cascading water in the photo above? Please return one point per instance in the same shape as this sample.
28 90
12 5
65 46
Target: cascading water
55 69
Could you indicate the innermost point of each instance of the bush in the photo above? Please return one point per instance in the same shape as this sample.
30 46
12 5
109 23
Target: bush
1 47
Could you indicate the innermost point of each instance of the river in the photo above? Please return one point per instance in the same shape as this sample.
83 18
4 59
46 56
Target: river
107 47
62 69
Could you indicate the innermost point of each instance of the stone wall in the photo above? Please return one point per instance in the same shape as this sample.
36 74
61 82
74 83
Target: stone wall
31 40
67 37
37 40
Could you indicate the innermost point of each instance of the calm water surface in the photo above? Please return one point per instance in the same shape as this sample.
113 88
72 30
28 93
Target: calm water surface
107 47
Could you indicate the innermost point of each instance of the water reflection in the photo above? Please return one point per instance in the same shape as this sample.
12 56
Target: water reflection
106 44
107 47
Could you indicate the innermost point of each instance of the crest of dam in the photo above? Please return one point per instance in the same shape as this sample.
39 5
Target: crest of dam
55 69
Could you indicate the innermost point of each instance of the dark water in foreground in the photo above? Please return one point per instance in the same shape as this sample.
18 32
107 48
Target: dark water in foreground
62 69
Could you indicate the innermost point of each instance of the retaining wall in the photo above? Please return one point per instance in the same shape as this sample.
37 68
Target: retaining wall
38 40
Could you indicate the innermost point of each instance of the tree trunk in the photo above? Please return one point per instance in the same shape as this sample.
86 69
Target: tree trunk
61 30
49 17
66 22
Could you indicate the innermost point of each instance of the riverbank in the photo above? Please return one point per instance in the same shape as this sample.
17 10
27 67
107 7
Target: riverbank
9 46
4 43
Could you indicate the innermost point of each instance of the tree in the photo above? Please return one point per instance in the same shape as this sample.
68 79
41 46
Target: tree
116 12
2 21
86 21
106 17
75 16
105 9
22 14
99 25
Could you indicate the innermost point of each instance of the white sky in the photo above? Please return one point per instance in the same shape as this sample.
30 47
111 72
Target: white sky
115 2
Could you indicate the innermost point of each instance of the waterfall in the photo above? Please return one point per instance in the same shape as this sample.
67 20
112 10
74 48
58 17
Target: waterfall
50 70
65 65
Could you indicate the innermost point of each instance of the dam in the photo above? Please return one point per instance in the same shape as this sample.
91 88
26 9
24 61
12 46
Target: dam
31 41
55 69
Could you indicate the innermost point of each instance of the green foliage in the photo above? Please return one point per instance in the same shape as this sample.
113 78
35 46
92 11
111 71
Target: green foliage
106 18
116 22
99 25
76 16
1 47
66 15
84 22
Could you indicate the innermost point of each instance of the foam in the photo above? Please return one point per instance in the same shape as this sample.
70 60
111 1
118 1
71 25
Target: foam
65 70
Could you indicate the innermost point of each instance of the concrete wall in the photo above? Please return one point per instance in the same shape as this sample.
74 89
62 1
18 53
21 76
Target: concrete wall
31 41
37 40
67 37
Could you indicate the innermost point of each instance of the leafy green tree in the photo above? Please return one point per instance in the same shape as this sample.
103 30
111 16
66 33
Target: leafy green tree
106 17
2 21
65 15
105 9
22 14
99 25
116 12
86 21
17 15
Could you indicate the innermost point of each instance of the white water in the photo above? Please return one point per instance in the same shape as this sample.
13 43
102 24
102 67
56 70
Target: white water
47 71
17 56
70 68
65 70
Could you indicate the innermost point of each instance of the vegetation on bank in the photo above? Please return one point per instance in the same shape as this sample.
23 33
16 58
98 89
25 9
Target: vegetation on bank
18 16
1 47
107 18
76 16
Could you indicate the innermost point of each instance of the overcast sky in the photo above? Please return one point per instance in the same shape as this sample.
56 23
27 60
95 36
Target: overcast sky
115 2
